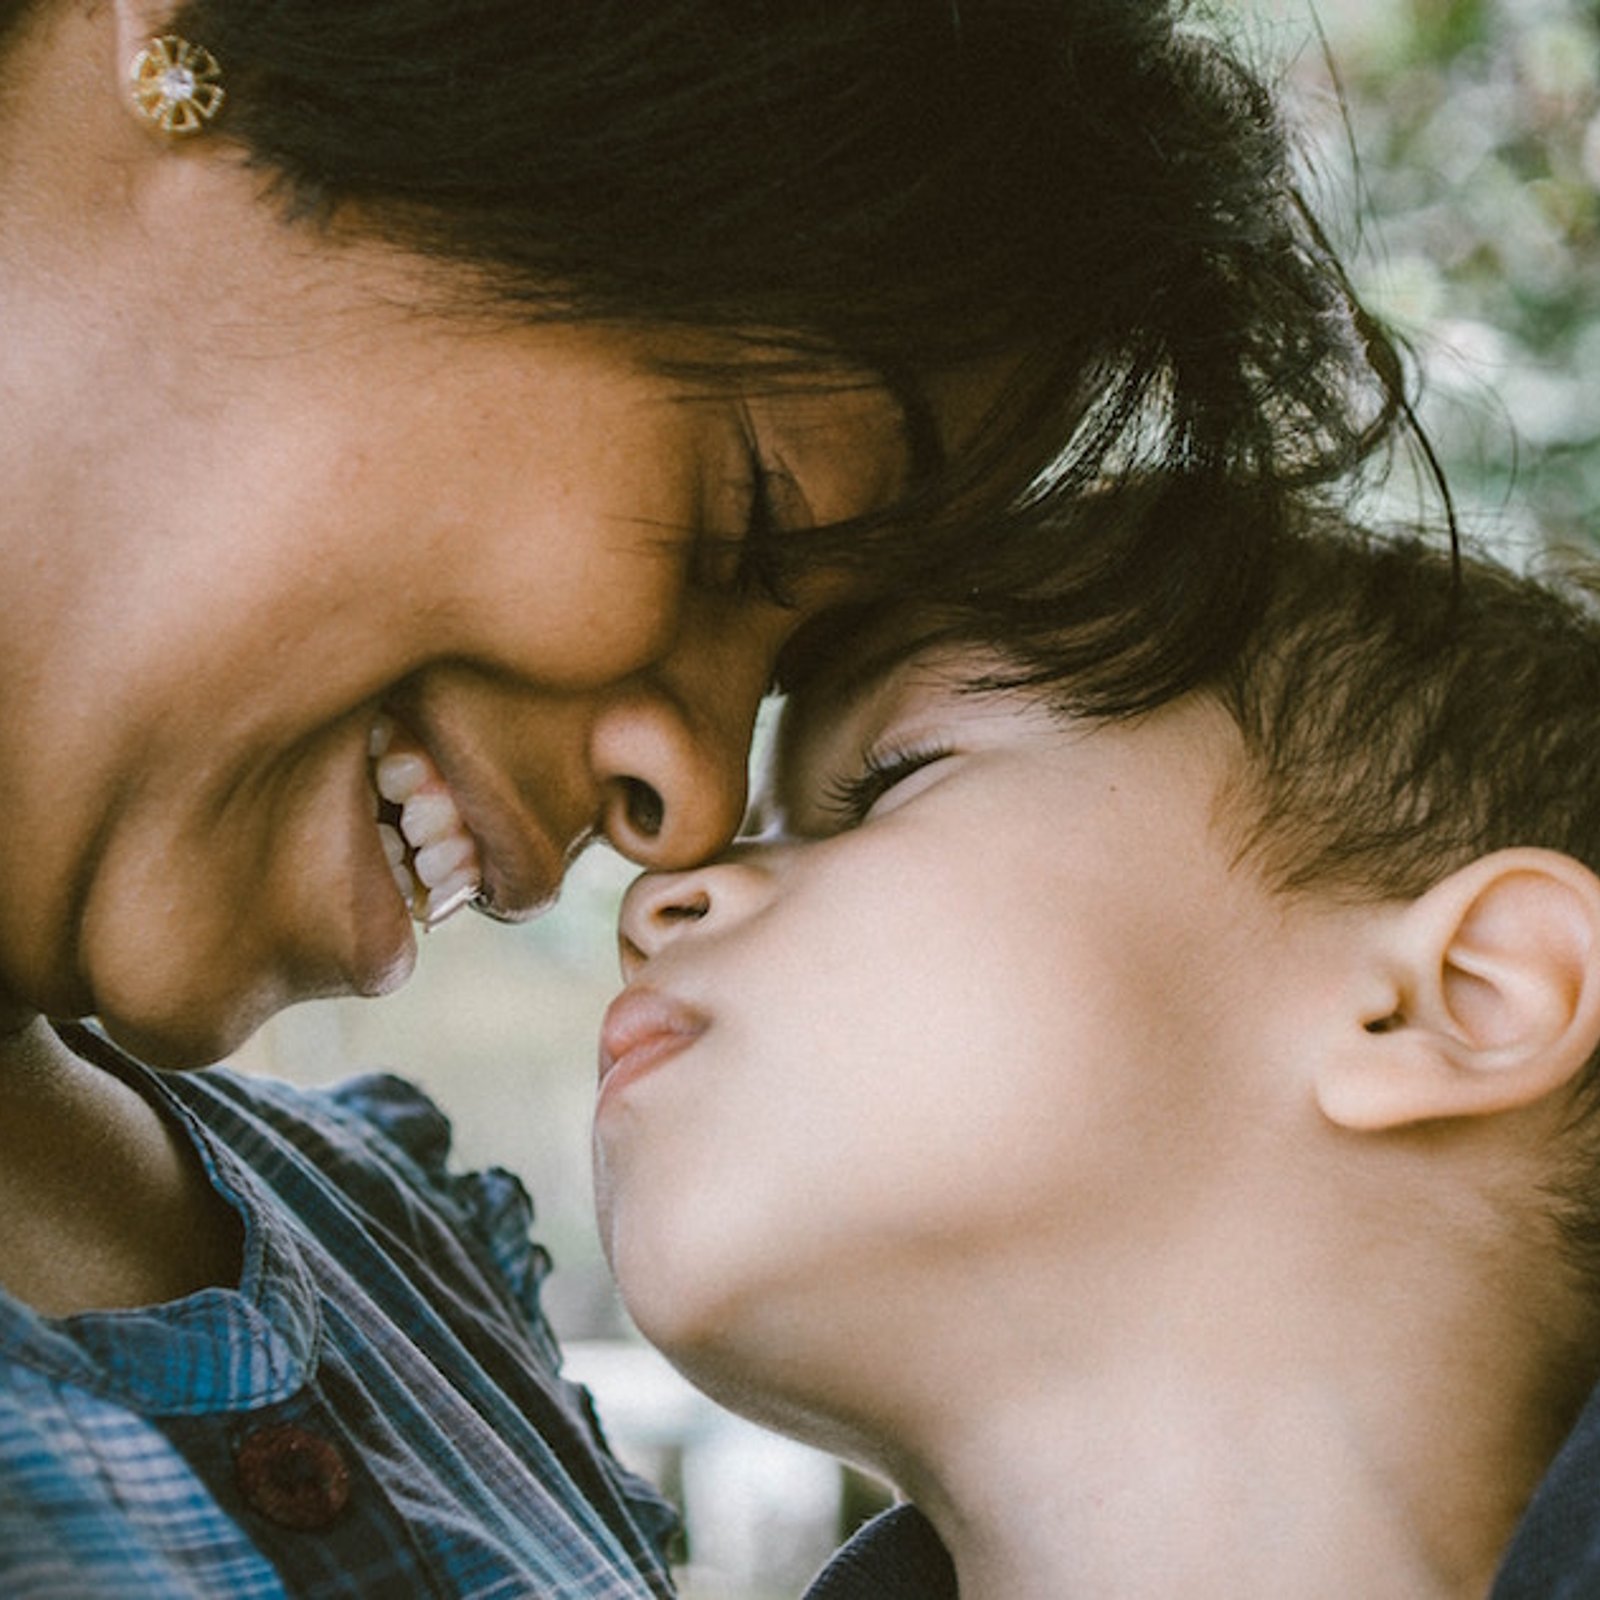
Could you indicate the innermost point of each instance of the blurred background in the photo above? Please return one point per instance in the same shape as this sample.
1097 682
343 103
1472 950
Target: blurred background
1455 152
1453 148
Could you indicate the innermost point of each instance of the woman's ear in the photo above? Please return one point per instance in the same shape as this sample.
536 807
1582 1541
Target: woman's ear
170 85
134 24
1488 998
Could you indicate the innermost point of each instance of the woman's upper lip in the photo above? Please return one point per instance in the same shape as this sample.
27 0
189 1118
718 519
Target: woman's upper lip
644 1020
521 864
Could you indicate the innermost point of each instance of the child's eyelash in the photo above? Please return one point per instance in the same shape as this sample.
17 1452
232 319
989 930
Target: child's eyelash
851 796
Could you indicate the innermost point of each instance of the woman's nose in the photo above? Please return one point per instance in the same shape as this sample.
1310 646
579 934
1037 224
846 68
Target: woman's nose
670 749
672 782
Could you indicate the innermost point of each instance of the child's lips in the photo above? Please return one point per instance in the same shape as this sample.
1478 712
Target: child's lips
642 1029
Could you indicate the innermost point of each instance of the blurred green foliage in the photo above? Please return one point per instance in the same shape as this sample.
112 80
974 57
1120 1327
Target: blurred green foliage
1456 147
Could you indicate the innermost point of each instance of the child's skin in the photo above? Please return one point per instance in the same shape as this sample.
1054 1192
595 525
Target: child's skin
992 1122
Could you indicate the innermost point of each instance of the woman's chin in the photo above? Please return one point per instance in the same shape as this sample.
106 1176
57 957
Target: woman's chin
205 1032
382 950
190 1041
182 1030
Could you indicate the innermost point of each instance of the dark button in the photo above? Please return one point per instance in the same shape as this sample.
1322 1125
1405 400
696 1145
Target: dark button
293 1476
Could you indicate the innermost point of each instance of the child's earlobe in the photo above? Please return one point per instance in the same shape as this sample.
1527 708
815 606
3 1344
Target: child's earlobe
1489 998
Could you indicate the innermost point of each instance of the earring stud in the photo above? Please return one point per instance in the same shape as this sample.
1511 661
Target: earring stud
177 86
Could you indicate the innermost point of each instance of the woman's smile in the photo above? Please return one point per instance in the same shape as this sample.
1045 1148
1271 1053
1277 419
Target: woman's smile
432 855
451 626
453 836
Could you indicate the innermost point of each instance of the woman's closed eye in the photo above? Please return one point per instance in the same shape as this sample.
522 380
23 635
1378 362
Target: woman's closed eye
736 554
750 564
851 798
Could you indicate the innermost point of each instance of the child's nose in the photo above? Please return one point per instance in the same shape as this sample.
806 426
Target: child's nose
661 907
656 909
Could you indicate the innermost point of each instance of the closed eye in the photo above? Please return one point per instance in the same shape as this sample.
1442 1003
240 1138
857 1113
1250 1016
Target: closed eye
742 563
774 504
851 798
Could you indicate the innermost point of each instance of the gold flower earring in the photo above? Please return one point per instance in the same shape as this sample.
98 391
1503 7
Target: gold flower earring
177 86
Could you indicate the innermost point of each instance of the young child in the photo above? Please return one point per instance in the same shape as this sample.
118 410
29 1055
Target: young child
1158 1144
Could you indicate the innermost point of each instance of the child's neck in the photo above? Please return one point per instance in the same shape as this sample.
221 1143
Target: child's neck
1164 1496
1244 1472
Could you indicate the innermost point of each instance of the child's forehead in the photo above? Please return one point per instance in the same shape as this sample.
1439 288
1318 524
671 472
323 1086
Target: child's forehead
874 665
863 667
909 681
900 675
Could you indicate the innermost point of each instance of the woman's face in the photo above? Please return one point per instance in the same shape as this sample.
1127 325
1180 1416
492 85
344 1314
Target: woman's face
262 492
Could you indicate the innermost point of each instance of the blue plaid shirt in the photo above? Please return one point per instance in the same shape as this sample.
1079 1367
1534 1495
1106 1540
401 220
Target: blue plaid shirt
375 1411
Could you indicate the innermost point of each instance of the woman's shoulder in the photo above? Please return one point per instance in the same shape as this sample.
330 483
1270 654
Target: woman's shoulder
384 1143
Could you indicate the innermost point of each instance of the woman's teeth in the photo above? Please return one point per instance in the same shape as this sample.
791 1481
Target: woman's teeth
432 856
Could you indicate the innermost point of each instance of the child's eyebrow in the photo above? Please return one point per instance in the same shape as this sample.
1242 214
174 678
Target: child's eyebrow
863 657
825 699
837 688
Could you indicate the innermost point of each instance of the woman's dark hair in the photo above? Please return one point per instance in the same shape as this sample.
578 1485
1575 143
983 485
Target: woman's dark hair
1098 192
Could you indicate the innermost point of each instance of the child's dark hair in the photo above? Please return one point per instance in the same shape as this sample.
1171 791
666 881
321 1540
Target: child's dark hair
1404 709
1405 706
1092 190
1403 715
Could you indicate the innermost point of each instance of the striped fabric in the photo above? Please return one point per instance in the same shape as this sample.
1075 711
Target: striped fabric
375 1411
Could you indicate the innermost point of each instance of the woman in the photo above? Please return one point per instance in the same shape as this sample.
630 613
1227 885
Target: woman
424 428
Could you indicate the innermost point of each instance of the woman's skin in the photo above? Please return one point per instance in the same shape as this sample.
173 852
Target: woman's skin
265 486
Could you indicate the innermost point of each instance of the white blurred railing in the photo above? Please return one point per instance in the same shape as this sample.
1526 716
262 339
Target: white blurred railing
762 1512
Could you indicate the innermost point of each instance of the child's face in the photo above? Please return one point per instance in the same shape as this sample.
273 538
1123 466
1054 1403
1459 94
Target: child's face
978 996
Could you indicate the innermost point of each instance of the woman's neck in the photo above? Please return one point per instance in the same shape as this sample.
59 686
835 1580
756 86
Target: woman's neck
103 1200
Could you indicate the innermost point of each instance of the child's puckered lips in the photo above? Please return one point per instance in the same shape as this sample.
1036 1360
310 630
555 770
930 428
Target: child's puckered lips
642 1029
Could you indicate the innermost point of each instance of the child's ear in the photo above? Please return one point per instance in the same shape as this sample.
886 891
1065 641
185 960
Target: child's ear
1488 999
